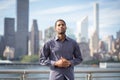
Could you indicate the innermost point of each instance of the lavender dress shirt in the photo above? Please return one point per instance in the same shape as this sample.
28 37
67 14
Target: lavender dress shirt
53 50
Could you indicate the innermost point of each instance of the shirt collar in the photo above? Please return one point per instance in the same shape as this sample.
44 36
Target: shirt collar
56 38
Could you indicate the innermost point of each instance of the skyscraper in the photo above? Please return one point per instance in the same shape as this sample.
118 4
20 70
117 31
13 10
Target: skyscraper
2 45
118 34
96 18
96 25
94 41
93 44
49 33
108 41
34 38
22 28
9 32
82 30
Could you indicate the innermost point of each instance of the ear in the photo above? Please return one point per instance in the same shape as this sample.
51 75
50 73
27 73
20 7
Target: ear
55 28
66 27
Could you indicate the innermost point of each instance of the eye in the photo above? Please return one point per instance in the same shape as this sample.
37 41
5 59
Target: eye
62 24
59 24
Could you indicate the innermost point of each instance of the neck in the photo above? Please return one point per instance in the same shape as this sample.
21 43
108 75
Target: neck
61 37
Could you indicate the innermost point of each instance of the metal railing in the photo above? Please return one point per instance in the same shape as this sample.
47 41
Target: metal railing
26 74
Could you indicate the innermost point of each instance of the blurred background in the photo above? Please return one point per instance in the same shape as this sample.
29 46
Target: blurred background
27 24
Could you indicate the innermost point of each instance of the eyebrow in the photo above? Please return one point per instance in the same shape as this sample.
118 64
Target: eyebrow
61 24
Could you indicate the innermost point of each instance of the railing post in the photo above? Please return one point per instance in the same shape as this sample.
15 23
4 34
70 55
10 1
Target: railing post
89 76
23 77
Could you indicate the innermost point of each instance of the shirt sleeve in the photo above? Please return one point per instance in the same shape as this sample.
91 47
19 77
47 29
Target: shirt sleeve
77 57
44 56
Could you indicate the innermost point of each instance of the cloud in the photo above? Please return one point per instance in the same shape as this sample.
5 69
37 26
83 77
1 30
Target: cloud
6 4
112 3
34 0
109 17
70 13
59 10
111 11
5 9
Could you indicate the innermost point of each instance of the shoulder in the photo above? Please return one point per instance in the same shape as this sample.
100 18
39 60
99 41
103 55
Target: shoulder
50 41
74 43
72 40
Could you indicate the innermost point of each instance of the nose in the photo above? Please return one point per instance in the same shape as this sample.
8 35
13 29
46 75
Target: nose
62 25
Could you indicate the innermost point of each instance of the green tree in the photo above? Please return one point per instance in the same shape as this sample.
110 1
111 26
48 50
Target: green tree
30 59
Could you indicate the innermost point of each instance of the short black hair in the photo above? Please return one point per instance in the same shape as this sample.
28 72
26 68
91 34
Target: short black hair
60 20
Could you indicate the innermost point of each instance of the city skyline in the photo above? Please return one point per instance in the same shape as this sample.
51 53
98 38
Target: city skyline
47 12
22 20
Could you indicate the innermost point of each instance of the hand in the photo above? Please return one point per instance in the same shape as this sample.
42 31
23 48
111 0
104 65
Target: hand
59 63
66 63
62 62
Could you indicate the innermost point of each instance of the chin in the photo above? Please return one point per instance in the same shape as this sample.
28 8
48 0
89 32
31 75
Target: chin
62 33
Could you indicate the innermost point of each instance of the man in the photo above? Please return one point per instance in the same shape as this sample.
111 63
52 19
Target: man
61 53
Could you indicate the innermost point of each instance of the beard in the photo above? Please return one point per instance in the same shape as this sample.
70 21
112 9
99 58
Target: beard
61 32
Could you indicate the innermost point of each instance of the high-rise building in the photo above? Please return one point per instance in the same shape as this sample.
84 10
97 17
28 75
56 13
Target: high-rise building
41 40
9 32
22 28
34 38
82 30
118 34
40 35
2 44
94 41
96 24
85 51
102 47
96 18
109 41
49 33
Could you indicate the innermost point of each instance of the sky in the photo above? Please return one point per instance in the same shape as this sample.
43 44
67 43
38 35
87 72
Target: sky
46 12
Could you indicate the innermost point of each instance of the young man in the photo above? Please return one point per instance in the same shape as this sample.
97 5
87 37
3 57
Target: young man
61 53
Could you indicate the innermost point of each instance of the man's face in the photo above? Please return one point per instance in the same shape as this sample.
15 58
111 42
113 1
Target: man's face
60 27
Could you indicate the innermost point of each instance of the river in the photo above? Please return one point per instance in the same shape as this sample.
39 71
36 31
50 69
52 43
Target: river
77 68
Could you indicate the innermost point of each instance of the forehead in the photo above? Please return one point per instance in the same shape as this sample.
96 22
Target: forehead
60 22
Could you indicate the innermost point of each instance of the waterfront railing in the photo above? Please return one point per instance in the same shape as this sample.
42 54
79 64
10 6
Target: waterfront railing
16 74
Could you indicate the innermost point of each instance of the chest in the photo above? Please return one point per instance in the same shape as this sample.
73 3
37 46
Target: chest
64 49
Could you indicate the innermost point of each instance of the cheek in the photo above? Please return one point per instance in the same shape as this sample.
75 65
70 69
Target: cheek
65 28
57 29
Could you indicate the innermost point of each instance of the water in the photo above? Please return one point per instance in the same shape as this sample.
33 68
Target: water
42 68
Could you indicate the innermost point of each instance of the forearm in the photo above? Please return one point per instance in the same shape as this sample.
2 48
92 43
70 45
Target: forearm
46 62
76 61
